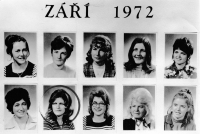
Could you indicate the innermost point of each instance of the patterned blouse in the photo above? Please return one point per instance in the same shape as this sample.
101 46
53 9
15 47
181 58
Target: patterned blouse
29 72
89 71
108 124
188 72
53 125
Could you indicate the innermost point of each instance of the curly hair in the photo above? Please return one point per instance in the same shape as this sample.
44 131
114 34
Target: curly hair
106 45
62 41
60 93
143 96
146 66
11 39
185 45
187 96
17 94
104 95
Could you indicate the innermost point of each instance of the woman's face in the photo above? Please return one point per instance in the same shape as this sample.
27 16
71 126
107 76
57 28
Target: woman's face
179 57
19 52
98 55
59 56
179 108
137 109
20 108
98 106
139 53
58 107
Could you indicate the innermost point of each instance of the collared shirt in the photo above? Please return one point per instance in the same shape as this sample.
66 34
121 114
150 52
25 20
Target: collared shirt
13 125
134 124
89 71
168 124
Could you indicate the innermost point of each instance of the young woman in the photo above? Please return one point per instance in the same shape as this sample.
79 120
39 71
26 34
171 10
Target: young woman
18 103
181 112
139 60
61 49
99 117
100 63
139 112
59 112
17 48
182 52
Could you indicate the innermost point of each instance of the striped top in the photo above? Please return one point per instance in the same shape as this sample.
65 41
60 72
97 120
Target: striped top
53 125
108 124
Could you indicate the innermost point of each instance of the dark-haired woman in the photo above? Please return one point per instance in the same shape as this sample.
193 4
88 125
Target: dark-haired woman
99 58
61 49
59 112
139 60
17 48
182 52
18 103
99 117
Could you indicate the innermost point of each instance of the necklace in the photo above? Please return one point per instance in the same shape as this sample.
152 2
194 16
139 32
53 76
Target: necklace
20 74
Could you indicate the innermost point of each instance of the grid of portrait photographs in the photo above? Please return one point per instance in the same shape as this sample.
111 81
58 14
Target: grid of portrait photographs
79 81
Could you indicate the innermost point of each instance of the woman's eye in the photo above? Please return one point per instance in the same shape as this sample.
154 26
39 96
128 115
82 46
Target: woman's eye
24 103
142 50
64 54
135 49
183 53
141 106
17 51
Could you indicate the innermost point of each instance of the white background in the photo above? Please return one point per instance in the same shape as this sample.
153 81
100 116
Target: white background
170 16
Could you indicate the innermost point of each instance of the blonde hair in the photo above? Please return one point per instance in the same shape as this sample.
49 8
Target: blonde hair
143 96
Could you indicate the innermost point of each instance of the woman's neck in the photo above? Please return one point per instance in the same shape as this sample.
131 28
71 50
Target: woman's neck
180 66
18 68
98 118
60 120
22 121
57 67
139 67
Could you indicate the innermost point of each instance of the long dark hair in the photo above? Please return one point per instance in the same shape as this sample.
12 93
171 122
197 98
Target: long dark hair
60 93
146 66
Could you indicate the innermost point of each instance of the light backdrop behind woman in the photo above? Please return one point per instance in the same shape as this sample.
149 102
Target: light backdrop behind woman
180 115
182 53
59 112
99 117
139 60
139 111
18 103
18 49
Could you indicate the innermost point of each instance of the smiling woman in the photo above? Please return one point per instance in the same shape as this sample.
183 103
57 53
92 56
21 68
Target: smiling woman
180 115
182 53
139 60
99 118
18 49
18 103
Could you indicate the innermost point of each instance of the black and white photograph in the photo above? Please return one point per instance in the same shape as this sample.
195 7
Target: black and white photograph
98 108
139 108
180 106
181 56
99 55
60 107
20 111
139 55
20 55
59 55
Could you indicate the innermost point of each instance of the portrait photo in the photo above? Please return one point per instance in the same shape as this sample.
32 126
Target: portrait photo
181 56
61 106
139 55
99 55
139 108
59 55
180 108
98 108
20 109
20 58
